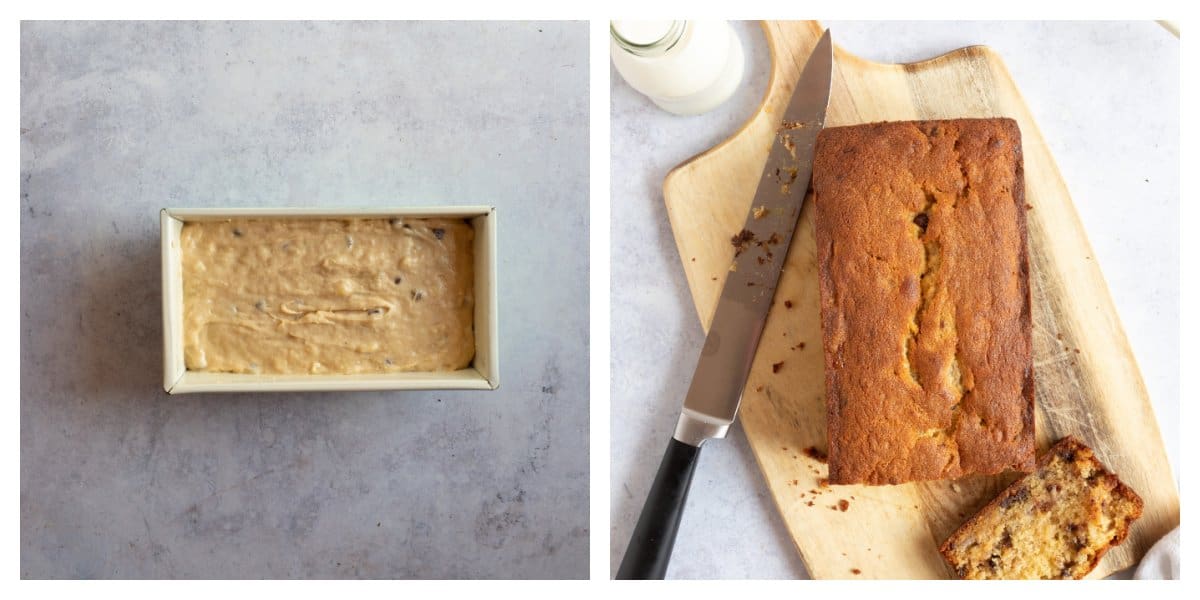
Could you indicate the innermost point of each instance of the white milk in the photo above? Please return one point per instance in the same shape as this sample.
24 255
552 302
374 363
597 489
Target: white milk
685 67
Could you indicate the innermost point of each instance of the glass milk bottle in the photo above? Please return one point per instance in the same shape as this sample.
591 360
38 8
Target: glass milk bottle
685 67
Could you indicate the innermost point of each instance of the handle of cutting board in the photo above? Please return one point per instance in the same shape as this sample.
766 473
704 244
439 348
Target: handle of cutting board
653 538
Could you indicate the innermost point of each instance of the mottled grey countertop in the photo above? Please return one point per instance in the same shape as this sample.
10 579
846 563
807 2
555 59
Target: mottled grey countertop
121 119
1106 97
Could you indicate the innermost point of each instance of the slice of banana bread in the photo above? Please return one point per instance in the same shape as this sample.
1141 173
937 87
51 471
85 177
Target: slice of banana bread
1054 523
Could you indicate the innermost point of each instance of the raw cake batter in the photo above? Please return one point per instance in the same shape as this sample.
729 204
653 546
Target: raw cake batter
328 296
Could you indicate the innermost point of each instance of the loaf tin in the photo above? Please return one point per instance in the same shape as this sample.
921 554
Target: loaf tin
482 374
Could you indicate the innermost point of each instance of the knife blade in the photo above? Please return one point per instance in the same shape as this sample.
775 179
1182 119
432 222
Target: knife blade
712 401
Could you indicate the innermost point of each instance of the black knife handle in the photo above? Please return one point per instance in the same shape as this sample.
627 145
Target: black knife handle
649 549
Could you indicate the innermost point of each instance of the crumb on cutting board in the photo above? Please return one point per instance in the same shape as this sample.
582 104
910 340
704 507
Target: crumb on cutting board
816 454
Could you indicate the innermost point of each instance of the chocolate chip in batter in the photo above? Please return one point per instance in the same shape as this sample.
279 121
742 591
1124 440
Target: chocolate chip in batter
237 232
398 280
439 233
261 305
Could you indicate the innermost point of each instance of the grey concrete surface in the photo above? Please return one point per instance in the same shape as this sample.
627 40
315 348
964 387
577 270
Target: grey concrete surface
1106 98
119 480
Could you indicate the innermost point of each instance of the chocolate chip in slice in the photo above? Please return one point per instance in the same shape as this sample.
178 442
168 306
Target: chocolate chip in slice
1021 495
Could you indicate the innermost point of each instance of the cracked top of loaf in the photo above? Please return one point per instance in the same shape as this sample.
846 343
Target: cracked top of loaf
924 276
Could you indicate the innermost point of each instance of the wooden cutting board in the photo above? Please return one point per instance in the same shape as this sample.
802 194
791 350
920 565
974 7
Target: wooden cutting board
1088 383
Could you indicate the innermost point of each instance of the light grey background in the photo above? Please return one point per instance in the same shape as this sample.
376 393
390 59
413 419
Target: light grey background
1106 97
121 119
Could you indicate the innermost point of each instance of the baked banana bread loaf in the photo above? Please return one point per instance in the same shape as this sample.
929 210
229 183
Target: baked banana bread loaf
924 277
1054 523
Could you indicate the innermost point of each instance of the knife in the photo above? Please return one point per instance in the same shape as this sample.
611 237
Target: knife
760 249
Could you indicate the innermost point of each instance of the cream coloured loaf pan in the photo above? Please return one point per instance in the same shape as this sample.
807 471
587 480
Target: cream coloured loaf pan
482 374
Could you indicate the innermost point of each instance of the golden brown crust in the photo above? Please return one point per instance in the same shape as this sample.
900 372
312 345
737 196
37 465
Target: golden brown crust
1118 508
925 307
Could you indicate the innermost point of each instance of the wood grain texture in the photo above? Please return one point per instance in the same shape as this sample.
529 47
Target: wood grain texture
1088 383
